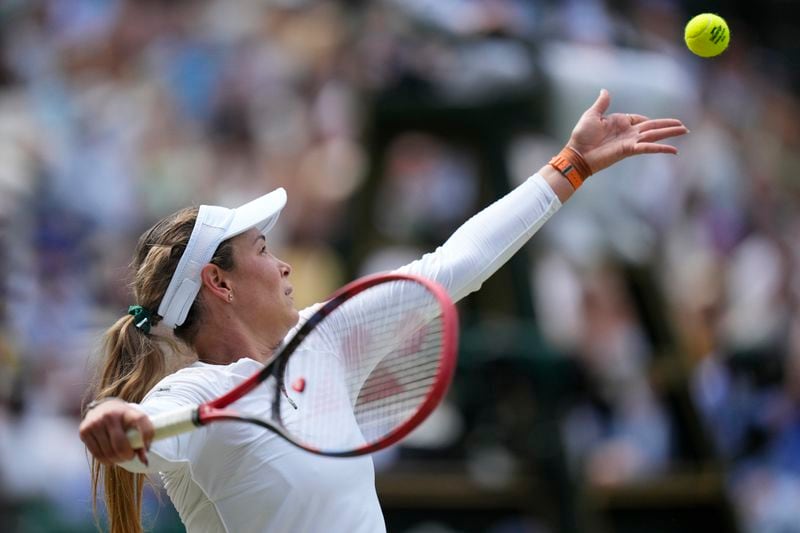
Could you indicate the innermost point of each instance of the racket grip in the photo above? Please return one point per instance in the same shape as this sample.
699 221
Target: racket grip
166 425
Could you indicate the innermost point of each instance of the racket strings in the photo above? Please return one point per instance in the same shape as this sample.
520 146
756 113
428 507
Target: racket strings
386 364
401 381
394 380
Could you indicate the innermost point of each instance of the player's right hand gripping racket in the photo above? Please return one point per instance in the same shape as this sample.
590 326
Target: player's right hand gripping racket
363 371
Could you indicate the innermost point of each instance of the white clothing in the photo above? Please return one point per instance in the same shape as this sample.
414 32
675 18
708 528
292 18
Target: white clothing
241 478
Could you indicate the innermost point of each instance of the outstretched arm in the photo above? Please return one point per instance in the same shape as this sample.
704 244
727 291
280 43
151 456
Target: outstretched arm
603 140
486 241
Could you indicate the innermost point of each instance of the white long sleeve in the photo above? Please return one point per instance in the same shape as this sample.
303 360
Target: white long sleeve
241 478
238 477
487 240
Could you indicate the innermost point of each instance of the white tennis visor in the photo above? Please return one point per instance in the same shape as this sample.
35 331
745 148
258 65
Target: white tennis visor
214 225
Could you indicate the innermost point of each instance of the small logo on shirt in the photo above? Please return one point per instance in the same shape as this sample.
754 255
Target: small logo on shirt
299 384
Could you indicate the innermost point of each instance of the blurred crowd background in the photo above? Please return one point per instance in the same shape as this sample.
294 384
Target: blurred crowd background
635 368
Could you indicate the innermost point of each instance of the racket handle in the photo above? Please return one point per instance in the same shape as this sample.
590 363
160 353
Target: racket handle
166 425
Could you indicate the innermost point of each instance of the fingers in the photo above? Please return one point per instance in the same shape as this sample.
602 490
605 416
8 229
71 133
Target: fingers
142 454
659 123
107 431
662 133
600 105
654 148
96 445
142 423
104 432
119 442
103 448
95 448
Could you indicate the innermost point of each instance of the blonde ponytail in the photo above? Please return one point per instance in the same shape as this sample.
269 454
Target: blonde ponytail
134 359
134 362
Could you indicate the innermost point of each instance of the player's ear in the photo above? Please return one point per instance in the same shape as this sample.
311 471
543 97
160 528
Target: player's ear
215 280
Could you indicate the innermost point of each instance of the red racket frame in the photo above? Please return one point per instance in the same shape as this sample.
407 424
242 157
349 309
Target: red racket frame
216 410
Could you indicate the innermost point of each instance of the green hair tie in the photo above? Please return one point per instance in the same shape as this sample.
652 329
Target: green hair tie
141 317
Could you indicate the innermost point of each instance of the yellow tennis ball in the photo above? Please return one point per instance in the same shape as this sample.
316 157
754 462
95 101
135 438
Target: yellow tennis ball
707 35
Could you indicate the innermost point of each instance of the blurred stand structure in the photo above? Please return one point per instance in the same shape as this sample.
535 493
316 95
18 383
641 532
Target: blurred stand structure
634 368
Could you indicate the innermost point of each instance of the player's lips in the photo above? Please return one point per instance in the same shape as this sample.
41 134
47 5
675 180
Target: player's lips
289 291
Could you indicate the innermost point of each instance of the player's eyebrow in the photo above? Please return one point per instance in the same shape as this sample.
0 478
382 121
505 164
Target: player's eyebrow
261 236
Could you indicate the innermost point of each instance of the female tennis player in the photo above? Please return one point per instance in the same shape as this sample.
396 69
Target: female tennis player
208 279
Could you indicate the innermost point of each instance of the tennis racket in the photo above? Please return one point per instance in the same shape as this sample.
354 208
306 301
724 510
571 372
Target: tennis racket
364 370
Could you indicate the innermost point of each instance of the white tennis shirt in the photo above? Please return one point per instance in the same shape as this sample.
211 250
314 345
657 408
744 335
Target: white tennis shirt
240 478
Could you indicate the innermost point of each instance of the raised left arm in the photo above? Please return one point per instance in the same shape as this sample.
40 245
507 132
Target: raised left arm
487 240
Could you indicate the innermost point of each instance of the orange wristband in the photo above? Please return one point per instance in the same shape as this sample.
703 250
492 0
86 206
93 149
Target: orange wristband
572 166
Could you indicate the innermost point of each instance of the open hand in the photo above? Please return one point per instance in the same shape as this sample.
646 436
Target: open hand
603 140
